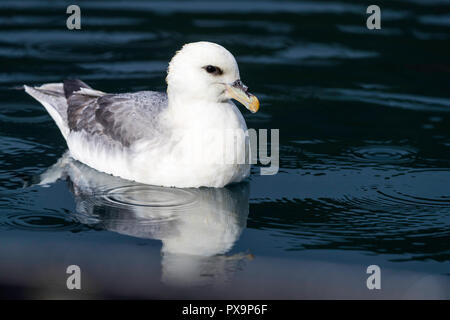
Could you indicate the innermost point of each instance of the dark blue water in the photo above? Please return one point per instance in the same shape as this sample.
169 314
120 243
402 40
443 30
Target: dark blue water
364 120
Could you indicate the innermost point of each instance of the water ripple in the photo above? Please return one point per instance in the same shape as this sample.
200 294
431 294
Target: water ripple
40 222
149 196
383 154
14 146
419 187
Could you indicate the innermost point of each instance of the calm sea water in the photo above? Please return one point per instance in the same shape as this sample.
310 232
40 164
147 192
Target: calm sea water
364 179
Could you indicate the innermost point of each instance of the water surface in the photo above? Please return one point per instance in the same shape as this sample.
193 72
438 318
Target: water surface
364 177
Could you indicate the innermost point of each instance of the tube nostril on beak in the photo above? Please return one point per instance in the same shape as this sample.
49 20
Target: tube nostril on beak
239 84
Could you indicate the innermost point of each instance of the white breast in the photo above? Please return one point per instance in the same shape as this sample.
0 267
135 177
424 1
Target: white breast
200 148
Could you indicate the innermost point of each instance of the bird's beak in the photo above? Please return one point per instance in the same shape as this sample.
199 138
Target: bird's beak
238 91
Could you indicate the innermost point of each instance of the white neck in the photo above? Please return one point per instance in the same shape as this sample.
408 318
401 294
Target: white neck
188 112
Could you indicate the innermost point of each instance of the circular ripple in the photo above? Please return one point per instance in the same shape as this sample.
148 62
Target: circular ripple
425 187
149 196
40 222
383 154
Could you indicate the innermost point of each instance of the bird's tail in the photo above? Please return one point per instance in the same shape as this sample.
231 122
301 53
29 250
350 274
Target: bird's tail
51 96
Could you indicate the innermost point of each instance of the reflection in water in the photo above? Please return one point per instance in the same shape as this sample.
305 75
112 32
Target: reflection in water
196 226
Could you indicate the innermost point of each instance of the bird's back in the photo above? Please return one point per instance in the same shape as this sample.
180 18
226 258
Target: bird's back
117 118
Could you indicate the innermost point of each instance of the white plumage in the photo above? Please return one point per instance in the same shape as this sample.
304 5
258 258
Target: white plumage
192 136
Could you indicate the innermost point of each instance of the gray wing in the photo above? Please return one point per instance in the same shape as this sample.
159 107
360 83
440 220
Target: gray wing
123 118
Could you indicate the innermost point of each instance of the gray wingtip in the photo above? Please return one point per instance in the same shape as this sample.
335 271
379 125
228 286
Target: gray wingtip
28 89
32 91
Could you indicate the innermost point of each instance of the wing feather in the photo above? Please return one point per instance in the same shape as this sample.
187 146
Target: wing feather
123 118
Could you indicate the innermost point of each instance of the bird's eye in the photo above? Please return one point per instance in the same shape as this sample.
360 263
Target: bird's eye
213 70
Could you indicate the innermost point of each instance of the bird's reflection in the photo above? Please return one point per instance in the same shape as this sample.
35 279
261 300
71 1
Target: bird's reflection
197 227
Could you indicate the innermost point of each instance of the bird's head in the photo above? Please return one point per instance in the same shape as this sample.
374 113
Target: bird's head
206 71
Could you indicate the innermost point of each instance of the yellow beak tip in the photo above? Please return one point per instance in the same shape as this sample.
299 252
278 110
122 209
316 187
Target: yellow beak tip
247 99
254 104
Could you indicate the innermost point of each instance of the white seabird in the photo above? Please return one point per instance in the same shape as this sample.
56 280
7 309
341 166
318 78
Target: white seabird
174 139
